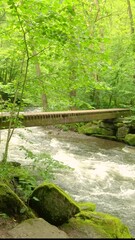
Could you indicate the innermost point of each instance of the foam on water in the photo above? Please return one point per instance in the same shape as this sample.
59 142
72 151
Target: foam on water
101 174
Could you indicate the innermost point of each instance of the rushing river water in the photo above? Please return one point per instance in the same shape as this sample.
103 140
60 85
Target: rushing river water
103 171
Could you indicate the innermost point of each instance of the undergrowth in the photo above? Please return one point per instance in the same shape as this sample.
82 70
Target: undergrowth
23 179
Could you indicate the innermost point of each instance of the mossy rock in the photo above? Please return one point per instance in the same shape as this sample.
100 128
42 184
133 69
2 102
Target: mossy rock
94 129
110 224
87 206
119 124
122 132
95 225
88 129
51 203
130 139
107 125
36 228
12 205
79 228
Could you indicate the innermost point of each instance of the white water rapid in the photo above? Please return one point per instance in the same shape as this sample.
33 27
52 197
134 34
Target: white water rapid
103 171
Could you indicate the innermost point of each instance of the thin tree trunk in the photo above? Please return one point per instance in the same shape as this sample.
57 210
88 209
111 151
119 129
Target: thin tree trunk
132 29
12 117
130 17
43 95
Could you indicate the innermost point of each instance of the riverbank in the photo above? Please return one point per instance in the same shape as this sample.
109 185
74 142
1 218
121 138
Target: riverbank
103 170
49 212
121 129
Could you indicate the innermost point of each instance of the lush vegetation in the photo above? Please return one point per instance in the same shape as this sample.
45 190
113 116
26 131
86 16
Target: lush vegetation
23 179
62 55
67 54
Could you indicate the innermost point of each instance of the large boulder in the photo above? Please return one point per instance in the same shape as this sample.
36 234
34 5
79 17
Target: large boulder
12 205
130 139
122 132
87 224
96 130
52 204
36 228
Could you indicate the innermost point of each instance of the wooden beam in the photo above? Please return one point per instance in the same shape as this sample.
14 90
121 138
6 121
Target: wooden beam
30 119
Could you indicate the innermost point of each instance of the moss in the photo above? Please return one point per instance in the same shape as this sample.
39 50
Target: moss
94 129
130 139
119 124
89 129
105 137
77 227
12 205
122 132
87 206
108 223
53 204
51 186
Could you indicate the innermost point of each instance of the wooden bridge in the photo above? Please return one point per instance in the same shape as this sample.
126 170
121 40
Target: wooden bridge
30 119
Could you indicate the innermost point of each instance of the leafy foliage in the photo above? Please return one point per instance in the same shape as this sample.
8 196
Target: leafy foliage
63 55
23 179
75 46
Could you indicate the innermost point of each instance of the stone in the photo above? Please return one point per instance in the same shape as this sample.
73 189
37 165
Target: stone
12 205
130 139
94 129
51 203
36 228
122 131
87 224
107 125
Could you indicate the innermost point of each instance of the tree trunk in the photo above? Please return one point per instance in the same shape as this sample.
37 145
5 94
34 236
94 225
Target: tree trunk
43 95
72 95
132 29
130 17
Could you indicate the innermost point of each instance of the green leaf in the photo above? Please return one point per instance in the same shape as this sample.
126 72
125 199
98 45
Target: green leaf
36 199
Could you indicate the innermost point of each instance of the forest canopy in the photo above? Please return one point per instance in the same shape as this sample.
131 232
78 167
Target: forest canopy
64 54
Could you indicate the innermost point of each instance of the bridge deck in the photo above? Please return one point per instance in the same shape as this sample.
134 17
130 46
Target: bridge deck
30 119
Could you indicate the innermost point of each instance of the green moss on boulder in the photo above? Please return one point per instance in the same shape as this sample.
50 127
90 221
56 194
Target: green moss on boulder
53 204
79 228
89 224
130 139
87 206
122 132
12 205
94 129
110 224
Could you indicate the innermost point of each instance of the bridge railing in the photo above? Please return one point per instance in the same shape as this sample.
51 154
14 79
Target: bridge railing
30 119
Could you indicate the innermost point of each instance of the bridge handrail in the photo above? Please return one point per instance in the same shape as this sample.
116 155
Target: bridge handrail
73 112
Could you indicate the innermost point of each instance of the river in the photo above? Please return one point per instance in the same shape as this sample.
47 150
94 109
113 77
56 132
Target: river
103 170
